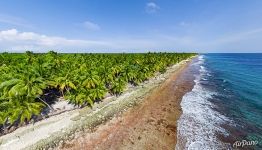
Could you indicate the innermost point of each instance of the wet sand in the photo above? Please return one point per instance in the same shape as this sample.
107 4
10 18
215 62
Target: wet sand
151 124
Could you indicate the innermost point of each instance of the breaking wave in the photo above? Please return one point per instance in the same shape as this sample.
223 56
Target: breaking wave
199 123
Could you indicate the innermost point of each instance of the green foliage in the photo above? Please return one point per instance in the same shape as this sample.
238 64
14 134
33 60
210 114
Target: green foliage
81 79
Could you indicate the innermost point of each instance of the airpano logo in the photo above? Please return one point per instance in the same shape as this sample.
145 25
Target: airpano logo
244 143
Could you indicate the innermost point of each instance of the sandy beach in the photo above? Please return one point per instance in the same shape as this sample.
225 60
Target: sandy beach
149 125
130 75
142 117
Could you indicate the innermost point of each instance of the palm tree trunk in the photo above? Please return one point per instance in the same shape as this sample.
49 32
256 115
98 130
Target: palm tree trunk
4 127
46 103
62 93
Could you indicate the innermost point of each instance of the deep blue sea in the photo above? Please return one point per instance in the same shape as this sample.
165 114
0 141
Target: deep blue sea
225 104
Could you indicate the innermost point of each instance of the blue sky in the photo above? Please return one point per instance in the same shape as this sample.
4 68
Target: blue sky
131 26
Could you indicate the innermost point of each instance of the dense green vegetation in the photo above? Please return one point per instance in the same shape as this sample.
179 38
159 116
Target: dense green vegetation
27 80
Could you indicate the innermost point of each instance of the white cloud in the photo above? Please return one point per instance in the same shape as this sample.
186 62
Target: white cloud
245 35
11 20
152 7
91 26
184 24
14 40
245 41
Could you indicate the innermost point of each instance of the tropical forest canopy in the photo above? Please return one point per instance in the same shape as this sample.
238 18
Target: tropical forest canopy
27 79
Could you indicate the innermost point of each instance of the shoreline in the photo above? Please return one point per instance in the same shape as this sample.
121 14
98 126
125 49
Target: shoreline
66 125
152 124
200 124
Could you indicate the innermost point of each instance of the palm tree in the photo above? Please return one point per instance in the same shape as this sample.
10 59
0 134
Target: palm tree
28 84
105 75
63 83
98 92
118 86
22 108
29 57
81 78
91 80
129 73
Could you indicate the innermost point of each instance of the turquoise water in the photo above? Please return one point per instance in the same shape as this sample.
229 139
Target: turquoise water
225 104
238 80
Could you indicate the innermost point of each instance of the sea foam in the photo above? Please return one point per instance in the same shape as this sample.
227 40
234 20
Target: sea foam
199 123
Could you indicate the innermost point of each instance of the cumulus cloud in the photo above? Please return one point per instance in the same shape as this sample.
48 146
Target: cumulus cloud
152 7
91 26
13 40
16 41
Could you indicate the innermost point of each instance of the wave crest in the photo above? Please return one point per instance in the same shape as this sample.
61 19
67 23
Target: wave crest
199 123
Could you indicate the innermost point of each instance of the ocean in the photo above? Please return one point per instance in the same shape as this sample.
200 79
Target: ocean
224 108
